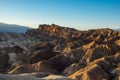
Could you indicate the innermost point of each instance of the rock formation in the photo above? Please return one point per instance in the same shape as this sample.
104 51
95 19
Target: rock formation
52 49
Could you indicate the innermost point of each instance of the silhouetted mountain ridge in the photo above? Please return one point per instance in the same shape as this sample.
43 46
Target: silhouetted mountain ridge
13 28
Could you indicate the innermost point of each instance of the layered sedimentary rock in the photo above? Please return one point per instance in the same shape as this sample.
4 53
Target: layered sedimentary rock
52 49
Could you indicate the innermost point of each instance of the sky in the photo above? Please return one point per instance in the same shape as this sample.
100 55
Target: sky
79 14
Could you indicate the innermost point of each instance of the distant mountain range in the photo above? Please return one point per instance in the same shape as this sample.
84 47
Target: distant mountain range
13 28
4 27
116 29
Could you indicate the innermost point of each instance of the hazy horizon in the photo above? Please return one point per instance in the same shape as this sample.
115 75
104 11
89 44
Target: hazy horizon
78 14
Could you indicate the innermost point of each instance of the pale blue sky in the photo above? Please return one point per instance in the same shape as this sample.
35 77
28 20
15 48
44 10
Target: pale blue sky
79 14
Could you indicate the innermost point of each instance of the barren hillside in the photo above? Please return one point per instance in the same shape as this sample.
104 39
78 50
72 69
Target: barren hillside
54 50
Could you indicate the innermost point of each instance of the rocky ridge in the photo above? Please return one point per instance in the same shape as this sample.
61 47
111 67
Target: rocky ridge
52 49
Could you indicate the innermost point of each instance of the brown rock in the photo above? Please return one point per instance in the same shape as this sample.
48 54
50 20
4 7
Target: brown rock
60 50
73 68
96 53
94 72
30 68
4 62
13 49
41 51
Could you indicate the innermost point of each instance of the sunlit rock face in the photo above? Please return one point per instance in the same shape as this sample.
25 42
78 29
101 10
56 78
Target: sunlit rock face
55 50
54 31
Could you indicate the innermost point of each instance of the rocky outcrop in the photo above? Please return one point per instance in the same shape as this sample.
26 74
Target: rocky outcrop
99 69
54 65
73 68
13 49
4 62
9 39
62 32
41 51
41 66
94 72
52 49
15 53
53 30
